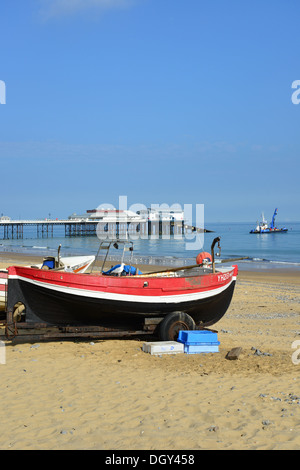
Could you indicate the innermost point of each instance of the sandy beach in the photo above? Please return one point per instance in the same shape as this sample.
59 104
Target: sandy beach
110 395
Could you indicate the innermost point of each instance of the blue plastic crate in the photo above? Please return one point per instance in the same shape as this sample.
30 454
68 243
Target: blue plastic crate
197 337
199 341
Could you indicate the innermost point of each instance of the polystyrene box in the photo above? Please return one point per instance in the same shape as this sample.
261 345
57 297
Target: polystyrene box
163 347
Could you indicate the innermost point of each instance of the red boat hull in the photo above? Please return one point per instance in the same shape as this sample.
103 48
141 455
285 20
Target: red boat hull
3 286
60 298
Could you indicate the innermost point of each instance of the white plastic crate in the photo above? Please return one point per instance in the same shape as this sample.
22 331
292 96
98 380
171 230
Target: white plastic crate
163 347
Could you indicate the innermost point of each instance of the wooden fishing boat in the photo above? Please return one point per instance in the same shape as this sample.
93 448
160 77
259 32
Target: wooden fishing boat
76 264
183 298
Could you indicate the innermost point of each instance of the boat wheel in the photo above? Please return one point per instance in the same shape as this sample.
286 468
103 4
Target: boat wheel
173 323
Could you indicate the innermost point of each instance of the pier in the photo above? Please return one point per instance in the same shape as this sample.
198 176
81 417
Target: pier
16 229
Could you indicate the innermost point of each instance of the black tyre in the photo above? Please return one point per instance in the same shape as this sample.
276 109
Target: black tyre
173 323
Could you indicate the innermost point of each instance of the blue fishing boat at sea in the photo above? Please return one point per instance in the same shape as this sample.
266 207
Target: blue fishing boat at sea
263 227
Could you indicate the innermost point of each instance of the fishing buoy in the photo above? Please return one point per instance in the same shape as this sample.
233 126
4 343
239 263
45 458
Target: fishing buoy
203 257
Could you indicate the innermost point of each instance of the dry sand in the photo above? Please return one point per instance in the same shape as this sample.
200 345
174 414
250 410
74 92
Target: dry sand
109 394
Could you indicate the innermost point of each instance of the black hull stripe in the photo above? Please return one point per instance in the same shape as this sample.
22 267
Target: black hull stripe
110 296
59 308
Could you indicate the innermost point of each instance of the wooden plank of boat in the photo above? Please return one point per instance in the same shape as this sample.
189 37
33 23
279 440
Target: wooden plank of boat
40 331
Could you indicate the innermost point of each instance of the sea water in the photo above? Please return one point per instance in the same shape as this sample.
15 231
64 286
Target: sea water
265 251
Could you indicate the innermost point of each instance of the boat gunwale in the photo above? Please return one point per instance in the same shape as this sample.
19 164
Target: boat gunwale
137 286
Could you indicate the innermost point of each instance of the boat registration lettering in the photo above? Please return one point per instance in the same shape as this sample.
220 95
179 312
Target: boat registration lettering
224 277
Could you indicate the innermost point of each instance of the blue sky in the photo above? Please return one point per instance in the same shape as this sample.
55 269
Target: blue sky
164 101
